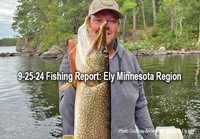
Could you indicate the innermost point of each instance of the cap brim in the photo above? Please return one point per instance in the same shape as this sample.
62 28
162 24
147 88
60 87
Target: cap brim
118 13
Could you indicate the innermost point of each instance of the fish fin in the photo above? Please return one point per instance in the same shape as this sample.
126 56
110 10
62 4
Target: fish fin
68 137
66 85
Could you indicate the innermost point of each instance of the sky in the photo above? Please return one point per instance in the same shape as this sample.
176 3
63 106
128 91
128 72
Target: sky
7 9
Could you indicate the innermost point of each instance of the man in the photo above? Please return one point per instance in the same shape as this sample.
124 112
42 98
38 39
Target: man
128 102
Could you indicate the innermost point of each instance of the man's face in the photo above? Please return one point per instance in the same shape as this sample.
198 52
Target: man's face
112 25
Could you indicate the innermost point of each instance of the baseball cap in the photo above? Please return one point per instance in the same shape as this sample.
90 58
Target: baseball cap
98 5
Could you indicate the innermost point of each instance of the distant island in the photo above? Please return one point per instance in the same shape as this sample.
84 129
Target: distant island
8 42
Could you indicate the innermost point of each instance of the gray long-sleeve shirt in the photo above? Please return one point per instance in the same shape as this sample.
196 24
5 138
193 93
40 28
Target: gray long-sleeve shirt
128 102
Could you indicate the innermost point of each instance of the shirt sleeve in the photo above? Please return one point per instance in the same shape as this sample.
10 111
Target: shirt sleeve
66 100
142 117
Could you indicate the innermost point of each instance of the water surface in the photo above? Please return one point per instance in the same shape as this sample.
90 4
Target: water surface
176 103
9 49
30 109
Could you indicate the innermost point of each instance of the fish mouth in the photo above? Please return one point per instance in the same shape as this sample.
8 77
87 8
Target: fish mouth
100 40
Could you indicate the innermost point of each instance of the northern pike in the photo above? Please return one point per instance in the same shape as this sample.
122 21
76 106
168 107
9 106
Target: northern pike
93 98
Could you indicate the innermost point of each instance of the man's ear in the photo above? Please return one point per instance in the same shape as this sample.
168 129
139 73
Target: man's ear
119 21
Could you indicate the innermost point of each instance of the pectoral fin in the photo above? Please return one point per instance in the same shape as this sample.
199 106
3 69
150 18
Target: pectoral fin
68 137
66 85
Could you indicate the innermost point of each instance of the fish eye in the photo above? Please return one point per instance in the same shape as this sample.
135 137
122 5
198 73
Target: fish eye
105 52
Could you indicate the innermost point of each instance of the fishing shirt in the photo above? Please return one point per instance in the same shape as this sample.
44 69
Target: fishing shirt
128 101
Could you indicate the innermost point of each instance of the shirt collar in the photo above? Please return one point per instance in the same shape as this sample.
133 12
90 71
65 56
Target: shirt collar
118 48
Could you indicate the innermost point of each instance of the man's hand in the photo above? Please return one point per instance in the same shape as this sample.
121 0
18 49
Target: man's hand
71 58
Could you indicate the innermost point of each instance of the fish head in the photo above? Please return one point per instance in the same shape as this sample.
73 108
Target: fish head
91 51
97 56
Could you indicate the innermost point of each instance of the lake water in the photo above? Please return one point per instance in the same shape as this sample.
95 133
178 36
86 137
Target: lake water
30 109
9 49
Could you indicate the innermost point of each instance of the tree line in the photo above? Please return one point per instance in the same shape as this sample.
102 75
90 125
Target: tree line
8 42
173 24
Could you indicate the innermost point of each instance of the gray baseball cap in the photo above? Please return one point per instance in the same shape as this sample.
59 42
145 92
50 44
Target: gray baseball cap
98 5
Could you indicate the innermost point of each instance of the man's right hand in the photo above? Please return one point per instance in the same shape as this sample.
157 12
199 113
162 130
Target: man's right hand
71 59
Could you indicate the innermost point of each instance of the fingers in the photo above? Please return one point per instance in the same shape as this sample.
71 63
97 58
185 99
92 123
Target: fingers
71 44
72 56
71 59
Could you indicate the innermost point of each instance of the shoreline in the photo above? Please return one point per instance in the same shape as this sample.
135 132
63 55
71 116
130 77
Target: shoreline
146 52
141 52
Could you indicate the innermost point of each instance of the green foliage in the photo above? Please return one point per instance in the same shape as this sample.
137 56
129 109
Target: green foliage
145 44
130 47
33 44
154 32
53 21
8 42
148 11
127 6
50 22
1 43
55 29
75 12
44 48
163 19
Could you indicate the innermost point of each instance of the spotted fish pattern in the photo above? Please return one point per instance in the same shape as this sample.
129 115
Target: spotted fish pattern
93 98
